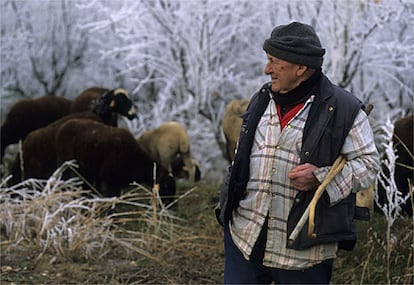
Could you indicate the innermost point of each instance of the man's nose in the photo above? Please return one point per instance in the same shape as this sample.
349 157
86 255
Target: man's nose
267 69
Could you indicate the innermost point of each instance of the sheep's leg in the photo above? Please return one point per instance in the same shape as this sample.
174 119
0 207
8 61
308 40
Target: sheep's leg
170 171
165 162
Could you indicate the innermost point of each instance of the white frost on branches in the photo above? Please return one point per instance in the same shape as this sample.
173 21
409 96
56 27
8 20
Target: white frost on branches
394 198
184 60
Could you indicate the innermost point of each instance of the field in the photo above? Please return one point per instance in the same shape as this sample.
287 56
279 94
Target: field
142 243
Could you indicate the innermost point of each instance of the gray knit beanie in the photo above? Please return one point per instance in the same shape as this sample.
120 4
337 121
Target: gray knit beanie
296 43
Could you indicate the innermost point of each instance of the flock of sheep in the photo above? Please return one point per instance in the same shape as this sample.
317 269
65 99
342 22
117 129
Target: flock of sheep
53 130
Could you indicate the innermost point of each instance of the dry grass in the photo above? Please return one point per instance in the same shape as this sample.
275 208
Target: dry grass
58 218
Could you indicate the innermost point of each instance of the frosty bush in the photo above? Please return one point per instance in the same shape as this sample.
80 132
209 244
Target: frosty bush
394 198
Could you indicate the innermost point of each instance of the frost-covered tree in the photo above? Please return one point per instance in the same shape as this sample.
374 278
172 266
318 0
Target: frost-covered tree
39 47
187 60
184 60
383 76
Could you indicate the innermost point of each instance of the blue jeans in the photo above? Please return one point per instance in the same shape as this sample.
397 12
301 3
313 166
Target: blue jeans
238 270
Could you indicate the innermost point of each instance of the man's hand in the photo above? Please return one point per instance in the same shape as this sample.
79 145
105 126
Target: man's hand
302 177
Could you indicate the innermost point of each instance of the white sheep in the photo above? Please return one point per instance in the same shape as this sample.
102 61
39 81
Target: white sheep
164 143
231 124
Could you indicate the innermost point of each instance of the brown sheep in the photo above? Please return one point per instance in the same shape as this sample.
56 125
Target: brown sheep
29 114
39 155
39 146
403 140
231 124
84 101
108 157
164 143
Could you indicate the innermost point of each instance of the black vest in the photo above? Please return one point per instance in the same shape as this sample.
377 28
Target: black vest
330 118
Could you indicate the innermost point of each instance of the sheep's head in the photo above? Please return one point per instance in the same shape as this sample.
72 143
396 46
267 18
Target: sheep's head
118 101
238 106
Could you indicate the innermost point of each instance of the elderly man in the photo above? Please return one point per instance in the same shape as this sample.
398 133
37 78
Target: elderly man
293 130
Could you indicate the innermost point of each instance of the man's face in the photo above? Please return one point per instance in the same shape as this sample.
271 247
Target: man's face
285 75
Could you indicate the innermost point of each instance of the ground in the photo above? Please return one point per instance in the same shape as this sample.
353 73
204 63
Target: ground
200 260
20 267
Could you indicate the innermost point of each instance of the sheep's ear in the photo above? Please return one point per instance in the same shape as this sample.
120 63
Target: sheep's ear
112 103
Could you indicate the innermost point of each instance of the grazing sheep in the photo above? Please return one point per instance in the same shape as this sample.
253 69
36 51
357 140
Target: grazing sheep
165 142
39 155
231 124
39 159
179 170
29 114
110 158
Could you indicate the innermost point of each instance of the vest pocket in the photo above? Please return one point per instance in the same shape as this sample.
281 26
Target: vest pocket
334 220
332 223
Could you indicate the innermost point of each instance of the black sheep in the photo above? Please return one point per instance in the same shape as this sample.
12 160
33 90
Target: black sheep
39 149
110 158
27 115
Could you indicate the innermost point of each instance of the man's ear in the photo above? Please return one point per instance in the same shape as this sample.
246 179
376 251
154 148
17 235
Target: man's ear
301 70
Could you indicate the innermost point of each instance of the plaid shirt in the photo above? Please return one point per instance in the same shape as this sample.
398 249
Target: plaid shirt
270 194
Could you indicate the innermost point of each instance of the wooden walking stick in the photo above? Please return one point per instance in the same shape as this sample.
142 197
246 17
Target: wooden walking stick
309 213
335 169
310 210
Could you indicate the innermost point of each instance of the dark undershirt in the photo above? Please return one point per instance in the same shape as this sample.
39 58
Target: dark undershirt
298 96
